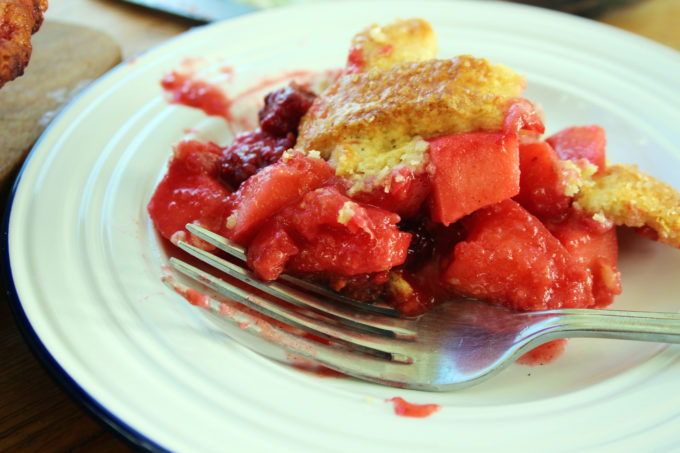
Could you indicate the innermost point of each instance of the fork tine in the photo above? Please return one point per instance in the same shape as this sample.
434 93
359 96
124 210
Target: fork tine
231 247
238 251
343 361
358 341
390 327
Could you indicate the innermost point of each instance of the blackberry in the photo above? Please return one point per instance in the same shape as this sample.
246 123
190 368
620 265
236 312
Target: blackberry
284 108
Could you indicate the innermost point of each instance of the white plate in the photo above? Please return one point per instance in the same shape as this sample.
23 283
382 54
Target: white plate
87 265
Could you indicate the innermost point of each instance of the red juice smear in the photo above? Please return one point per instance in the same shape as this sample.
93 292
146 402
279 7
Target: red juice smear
310 367
185 90
405 409
355 61
543 354
272 81
191 295
228 71
386 49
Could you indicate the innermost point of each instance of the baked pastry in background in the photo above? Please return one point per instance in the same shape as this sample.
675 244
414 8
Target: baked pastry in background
19 20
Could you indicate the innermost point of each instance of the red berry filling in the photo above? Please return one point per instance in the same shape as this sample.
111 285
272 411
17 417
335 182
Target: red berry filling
283 110
328 232
487 217
249 153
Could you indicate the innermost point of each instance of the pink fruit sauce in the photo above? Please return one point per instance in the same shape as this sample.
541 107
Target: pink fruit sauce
405 409
491 214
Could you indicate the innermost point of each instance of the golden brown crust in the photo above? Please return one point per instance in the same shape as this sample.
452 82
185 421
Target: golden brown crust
394 94
384 46
426 98
19 19
628 196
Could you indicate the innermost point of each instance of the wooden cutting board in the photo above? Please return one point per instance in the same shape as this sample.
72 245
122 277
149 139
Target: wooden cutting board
66 59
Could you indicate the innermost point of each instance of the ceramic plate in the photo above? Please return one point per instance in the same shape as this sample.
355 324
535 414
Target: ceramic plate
86 264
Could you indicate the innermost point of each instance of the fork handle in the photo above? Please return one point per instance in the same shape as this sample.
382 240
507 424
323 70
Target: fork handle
627 325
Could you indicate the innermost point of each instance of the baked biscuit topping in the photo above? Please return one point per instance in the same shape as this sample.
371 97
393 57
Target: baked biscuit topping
383 47
627 196
364 115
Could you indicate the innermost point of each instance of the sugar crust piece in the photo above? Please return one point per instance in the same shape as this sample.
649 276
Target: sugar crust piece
383 109
384 46
628 196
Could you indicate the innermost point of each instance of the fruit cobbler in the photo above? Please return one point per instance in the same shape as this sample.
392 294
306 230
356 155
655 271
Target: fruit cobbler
414 179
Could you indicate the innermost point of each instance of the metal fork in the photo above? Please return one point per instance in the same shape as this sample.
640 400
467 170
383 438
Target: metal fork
456 344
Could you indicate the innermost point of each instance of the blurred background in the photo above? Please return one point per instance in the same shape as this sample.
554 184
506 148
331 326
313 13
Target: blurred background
655 19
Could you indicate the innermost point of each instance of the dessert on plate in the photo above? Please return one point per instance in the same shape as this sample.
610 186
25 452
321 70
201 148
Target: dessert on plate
415 179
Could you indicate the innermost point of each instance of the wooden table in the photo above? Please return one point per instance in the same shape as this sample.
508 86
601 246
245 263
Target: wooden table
35 413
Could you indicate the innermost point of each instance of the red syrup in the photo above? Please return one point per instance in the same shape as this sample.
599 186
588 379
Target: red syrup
188 89
405 409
